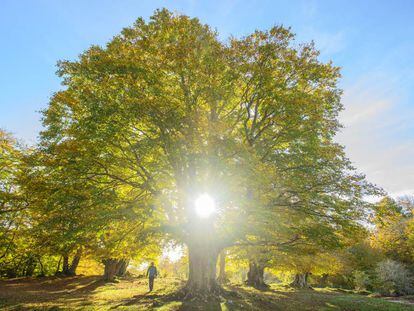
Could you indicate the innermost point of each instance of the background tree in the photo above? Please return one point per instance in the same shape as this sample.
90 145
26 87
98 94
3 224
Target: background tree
15 255
392 230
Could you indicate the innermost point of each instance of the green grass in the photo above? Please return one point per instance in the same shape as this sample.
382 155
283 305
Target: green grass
90 293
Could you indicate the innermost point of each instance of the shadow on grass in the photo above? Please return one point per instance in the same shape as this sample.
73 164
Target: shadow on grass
46 289
89 288
228 300
139 298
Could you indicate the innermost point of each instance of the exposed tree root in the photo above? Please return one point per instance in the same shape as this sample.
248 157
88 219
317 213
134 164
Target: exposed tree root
191 293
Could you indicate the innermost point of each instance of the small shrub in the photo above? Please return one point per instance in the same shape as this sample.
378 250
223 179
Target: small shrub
361 280
393 278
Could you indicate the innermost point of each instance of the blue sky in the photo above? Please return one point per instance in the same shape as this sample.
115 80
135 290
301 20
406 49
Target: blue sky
373 42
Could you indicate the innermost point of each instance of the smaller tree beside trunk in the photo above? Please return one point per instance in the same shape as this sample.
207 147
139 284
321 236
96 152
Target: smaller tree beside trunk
122 267
301 280
222 277
65 265
255 276
114 268
75 262
69 269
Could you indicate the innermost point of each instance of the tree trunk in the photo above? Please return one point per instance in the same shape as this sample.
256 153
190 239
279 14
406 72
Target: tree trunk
65 266
111 269
75 262
222 278
123 265
30 266
324 280
202 270
11 273
255 276
301 280
58 266
42 269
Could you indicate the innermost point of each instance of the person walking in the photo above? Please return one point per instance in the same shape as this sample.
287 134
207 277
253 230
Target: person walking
151 274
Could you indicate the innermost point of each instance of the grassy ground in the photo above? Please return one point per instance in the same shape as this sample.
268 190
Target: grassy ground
90 293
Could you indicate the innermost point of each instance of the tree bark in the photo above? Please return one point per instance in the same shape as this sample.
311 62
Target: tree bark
222 278
75 262
202 270
301 280
111 269
123 265
255 276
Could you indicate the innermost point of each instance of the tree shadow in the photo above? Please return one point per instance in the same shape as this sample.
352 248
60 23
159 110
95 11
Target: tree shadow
146 297
248 299
209 305
50 289
153 300
87 289
231 298
228 299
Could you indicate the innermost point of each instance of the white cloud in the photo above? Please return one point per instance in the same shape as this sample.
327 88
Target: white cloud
378 133
330 43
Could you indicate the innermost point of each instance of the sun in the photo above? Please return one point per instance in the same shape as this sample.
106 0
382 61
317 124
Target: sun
205 205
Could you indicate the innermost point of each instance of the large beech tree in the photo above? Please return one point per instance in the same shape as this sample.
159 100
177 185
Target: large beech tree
166 112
